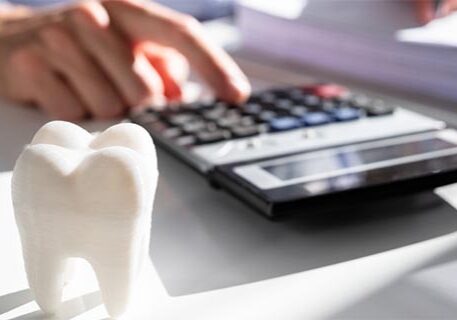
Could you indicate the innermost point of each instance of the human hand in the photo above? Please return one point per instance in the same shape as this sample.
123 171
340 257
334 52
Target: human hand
102 58
426 10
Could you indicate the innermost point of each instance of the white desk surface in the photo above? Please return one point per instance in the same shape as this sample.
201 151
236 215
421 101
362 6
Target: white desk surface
373 265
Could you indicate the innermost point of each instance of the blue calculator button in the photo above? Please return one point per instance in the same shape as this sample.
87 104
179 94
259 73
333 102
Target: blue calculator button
346 114
316 118
284 123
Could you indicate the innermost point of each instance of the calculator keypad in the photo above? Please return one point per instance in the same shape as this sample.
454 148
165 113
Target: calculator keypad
270 111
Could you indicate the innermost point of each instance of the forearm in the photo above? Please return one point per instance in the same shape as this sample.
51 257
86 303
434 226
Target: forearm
10 18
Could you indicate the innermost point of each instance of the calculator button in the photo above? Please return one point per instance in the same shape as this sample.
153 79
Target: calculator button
284 104
214 114
296 95
194 126
252 109
254 98
172 133
328 105
284 123
380 111
267 98
328 91
233 113
221 105
244 131
204 137
346 114
186 141
211 126
360 100
263 128
283 92
179 119
308 100
345 104
379 108
311 100
247 121
316 118
299 111
228 122
266 116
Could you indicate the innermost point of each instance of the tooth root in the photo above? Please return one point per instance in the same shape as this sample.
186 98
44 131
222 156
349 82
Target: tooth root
70 268
116 281
46 275
118 253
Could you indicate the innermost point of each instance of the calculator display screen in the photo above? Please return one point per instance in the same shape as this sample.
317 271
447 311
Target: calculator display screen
347 158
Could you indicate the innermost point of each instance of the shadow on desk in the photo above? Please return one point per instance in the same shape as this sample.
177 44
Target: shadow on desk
71 308
203 239
13 300
408 298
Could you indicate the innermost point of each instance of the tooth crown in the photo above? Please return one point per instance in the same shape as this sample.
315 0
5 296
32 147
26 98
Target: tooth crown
76 195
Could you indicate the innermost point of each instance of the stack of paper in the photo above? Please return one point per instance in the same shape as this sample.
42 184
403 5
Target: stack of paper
378 41
201 9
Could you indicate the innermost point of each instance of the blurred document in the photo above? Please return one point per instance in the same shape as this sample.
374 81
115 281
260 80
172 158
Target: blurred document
378 41
441 32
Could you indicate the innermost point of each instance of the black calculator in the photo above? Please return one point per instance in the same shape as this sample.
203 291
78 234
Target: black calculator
307 149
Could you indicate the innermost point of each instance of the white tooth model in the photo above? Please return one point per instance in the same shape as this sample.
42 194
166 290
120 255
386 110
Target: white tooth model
86 196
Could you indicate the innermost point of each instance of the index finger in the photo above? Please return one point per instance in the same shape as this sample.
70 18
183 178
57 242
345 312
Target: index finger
424 10
151 22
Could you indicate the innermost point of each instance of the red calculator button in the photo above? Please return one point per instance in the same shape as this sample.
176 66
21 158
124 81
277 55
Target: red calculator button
328 91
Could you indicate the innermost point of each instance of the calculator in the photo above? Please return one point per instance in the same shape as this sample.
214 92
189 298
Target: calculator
307 149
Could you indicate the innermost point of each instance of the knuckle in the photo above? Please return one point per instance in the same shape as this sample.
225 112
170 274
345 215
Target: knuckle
24 59
79 10
57 35
82 8
186 26
90 13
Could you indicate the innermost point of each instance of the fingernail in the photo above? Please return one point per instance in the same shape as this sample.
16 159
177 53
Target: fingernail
241 88
156 101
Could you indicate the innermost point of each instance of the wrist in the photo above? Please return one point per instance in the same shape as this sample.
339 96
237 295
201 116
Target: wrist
10 13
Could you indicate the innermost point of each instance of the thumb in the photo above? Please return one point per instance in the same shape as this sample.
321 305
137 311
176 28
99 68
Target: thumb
425 10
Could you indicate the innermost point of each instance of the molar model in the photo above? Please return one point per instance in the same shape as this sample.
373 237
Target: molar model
85 196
